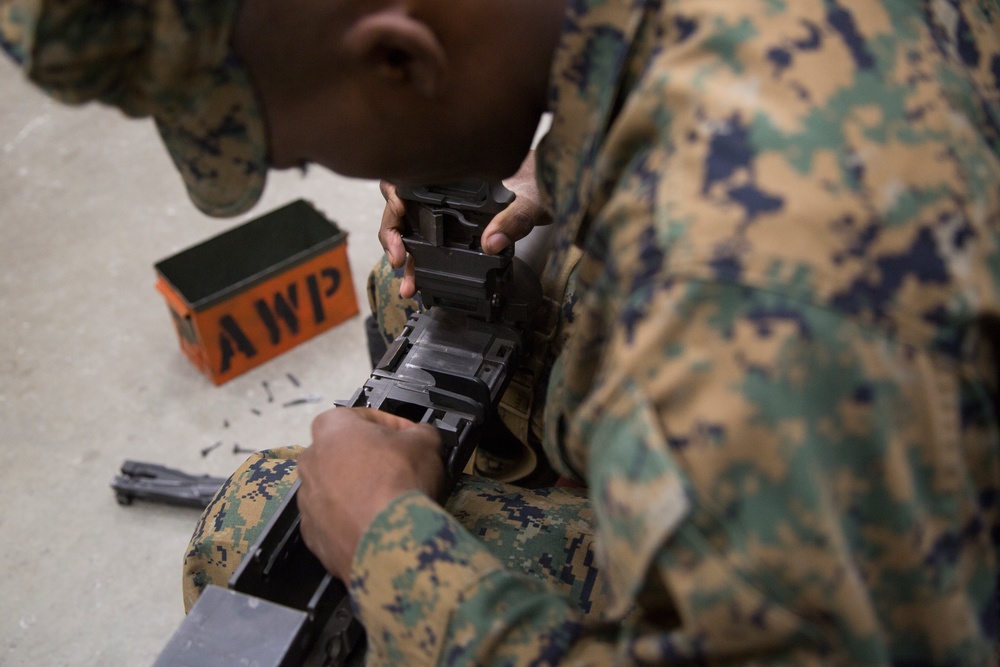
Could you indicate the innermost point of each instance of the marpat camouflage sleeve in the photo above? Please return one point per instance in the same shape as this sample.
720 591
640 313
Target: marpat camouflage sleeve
17 19
780 378
430 593
781 382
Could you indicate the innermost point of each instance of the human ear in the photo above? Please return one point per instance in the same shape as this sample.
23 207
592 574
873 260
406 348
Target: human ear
399 50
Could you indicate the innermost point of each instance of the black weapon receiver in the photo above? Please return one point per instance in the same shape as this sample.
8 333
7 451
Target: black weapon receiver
448 368
445 227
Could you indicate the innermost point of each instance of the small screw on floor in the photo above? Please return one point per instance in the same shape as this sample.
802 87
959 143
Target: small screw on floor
206 450
242 450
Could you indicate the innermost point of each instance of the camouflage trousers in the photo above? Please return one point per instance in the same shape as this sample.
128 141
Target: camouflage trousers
540 532
544 532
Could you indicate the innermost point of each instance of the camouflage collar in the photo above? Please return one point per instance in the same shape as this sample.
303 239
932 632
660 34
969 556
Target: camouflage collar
585 82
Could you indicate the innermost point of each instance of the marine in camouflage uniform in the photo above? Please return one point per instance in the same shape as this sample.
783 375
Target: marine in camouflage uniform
780 383
780 378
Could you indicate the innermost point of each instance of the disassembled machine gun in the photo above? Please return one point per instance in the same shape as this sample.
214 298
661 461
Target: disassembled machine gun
449 368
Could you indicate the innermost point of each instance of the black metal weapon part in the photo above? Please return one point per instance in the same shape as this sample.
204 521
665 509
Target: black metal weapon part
448 368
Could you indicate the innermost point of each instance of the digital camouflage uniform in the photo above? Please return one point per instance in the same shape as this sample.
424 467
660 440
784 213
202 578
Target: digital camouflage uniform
779 374
780 381
161 58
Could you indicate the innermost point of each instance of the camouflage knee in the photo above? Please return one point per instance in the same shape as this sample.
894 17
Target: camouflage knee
544 533
235 518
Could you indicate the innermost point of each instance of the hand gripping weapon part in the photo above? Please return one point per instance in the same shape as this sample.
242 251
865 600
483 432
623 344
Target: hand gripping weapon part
449 368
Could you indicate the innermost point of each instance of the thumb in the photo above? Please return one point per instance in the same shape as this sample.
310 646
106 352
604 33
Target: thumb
510 225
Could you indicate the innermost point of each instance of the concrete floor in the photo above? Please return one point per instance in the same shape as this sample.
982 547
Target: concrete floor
91 374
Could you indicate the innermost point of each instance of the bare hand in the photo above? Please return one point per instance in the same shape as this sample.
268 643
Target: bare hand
360 460
524 214
510 225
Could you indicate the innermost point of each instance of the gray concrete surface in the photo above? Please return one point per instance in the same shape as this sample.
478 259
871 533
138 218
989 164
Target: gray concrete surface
91 374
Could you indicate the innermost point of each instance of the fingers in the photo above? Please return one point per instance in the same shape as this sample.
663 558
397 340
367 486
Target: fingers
332 419
390 235
510 225
408 286
524 214
365 428
360 460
